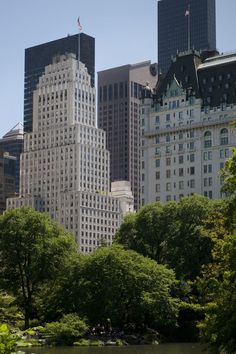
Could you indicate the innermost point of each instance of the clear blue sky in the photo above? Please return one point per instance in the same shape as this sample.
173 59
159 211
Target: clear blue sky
125 32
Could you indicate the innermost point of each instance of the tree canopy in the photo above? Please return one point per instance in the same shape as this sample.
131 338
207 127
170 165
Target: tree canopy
33 249
170 233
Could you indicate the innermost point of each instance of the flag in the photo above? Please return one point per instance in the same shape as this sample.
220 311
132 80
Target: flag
79 24
187 13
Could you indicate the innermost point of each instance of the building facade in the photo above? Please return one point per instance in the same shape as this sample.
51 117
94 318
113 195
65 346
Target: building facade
118 114
65 167
7 178
38 57
183 25
13 143
185 139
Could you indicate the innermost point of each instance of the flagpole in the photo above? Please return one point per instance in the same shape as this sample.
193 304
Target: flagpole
79 33
189 27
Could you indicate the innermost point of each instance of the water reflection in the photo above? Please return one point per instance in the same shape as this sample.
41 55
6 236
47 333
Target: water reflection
180 348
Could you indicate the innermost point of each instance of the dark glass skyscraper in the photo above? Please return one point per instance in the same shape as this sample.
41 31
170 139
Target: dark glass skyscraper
37 57
181 21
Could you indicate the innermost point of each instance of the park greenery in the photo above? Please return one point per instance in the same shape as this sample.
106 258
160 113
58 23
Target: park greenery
169 275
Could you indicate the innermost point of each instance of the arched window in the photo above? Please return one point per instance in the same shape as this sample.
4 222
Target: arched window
224 139
207 139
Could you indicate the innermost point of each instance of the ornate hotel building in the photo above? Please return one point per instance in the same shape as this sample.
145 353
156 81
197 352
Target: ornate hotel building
186 128
65 167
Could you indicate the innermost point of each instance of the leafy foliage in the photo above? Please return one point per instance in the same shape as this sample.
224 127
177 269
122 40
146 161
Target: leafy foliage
33 249
7 340
126 288
219 287
170 233
67 330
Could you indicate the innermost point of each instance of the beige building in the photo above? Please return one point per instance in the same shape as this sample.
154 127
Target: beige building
183 145
65 167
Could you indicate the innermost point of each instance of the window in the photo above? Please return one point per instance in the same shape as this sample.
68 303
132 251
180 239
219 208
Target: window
191 145
181 146
180 115
168 198
181 159
181 136
181 172
168 173
192 170
157 188
168 138
157 174
207 155
168 186
181 185
158 162
191 157
168 161
157 119
210 181
167 117
224 137
191 134
207 139
192 183
205 168
209 168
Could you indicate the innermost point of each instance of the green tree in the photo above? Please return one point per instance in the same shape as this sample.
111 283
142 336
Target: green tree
125 287
67 330
218 286
228 173
170 233
146 231
33 250
186 248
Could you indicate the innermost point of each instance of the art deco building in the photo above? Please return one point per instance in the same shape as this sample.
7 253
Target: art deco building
183 23
39 56
118 114
65 167
186 135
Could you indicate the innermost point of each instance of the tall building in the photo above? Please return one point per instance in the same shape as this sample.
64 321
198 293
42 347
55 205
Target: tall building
7 178
38 57
183 25
13 143
186 134
65 167
118 114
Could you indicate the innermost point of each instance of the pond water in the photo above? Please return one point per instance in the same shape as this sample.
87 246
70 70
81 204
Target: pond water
173 348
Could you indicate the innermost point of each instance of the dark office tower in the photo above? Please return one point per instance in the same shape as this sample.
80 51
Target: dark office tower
13 143
7 178
118 114
183 25
38 57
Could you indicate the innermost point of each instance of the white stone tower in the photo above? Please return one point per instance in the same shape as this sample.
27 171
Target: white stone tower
65 164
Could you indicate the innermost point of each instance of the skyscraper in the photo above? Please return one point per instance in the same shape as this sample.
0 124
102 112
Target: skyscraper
183 25
13 143
118 114
65 165
38 57
7 178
